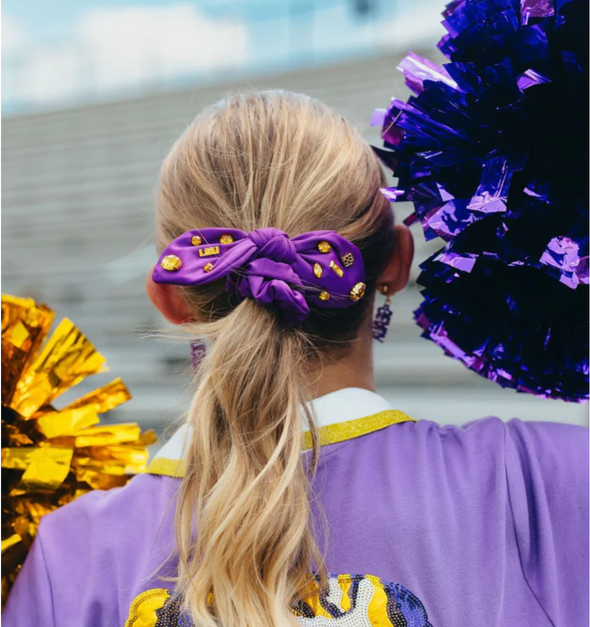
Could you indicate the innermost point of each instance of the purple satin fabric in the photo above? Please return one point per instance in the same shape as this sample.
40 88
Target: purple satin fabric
269 267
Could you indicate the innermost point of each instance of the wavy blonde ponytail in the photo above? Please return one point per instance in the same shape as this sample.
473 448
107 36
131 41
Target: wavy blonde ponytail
245 478
244 527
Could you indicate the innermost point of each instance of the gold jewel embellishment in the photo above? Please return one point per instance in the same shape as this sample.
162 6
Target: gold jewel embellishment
337 269
347 260
226 239
208 267
196 240
358 291
317 270
324 247
210 250
171 263
324 296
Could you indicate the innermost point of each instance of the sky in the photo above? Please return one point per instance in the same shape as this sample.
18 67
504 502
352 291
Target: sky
55 51
50 19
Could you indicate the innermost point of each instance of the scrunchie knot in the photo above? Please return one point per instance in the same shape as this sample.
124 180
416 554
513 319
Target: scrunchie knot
269 277
274 244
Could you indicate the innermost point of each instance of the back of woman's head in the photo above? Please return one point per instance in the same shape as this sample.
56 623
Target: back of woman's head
267 159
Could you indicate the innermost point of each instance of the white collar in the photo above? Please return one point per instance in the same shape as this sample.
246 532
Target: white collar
340 406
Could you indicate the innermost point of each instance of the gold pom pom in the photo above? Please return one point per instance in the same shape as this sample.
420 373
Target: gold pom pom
51 456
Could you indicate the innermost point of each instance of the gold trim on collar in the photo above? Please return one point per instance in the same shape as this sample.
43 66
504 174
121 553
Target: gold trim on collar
166 466
330 434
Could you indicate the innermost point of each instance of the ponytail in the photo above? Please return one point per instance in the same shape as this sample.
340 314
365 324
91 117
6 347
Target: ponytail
245 490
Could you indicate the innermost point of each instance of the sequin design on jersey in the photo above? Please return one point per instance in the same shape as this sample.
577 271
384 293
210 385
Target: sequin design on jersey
361 601
349 601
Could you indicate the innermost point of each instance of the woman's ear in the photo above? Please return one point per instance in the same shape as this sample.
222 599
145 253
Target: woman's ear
168 301
397 272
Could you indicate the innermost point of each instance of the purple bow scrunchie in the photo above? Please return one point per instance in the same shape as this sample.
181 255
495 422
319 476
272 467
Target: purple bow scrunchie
319 267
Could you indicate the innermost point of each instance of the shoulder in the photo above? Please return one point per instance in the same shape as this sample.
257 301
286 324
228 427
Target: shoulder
481 450
104 532
550 439
554 452
93 517
547 461
92 553
488 429
424 454
463 443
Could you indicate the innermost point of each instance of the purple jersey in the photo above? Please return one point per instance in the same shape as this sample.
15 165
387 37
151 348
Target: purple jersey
480 526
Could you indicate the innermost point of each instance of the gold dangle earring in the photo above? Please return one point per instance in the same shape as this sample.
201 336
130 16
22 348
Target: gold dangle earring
383 316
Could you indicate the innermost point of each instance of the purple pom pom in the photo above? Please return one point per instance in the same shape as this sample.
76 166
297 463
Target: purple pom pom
493 152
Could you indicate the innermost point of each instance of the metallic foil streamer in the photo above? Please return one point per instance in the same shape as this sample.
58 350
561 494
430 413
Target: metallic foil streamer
84 411
103 399
56 423
52 456
562 255
492 192
492 151
45 468
24 327
536 8
530 78
67 358
417 69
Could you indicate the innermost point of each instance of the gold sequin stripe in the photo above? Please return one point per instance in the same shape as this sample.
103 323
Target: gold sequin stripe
166 466
330 434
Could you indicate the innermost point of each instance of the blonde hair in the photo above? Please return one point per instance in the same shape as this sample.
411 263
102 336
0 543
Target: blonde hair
244 527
